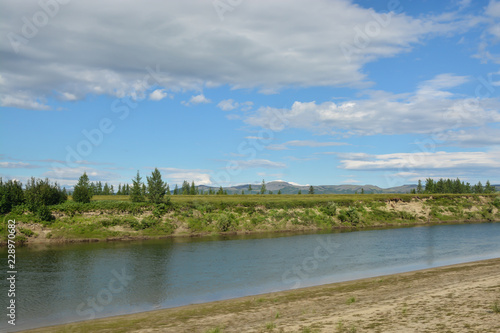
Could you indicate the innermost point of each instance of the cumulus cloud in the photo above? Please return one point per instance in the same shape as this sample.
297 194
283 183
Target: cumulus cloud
429 109
128 47
227 105
197 99
177 176
158 95
230 104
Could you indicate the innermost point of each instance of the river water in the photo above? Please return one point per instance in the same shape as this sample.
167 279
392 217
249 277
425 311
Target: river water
63 283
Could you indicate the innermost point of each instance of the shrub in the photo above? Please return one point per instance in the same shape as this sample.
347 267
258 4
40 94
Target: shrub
110 222
329 209
45 214
27 232
160 210
350 215
224 223
133 223
148 222
20 239
496 202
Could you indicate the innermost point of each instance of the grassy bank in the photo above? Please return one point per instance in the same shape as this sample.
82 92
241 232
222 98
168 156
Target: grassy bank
458 298
115 217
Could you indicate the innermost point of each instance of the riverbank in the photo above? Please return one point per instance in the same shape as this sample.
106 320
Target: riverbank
452 298
193 216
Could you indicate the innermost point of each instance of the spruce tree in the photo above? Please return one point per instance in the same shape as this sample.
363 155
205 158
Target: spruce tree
136 195
263 187
156 187
311 190
82 191
193 188
420 189
488 188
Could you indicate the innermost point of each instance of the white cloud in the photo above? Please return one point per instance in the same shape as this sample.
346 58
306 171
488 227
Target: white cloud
493 9
423 160
197 99
257 163
177 176
484 136
294 44
69 175
69 96
23 101
18 165
230 104
227 105
158 95
463 3
350 181
303 143
430 109
491 34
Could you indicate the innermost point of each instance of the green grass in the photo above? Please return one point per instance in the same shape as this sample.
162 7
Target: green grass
270 326
351 300
496 307
117 216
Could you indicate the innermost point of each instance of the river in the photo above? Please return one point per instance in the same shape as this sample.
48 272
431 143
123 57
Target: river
63 283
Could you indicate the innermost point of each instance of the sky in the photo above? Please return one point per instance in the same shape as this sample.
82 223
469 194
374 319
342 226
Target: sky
227 92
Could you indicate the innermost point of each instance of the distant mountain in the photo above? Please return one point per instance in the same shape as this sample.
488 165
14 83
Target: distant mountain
289 188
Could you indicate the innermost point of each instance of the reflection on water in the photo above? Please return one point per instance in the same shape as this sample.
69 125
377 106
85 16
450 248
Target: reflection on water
58 284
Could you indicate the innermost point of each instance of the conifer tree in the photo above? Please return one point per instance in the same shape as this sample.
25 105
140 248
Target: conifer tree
420 189
156 187
136 195
82 191
488 188
105 190
263 187
311 190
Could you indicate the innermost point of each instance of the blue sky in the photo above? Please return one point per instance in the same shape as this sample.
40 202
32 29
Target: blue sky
230 92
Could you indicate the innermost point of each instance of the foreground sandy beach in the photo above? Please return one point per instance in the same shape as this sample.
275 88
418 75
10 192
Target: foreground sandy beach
456 298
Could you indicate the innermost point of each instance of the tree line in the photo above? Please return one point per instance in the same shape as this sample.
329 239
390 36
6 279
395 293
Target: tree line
40 193
36 196
452 186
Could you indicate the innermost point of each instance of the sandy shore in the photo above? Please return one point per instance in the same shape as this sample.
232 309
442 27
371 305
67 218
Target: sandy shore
456 298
